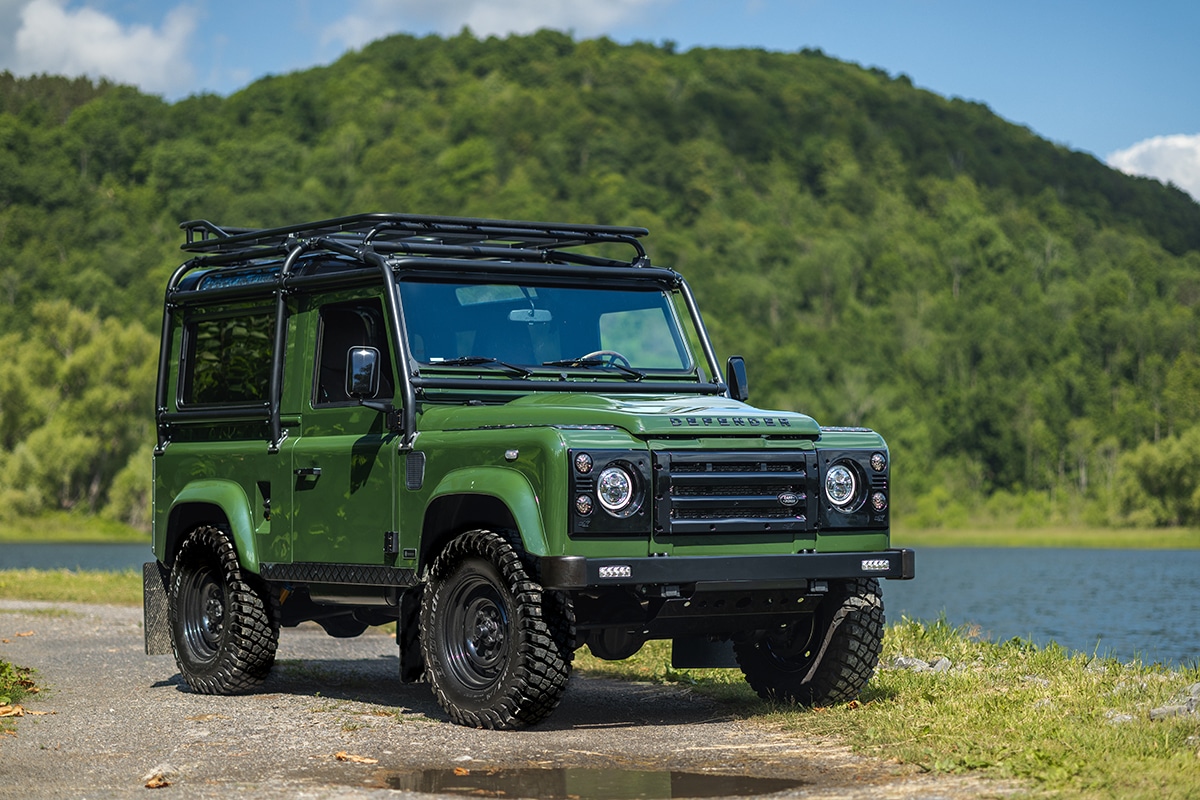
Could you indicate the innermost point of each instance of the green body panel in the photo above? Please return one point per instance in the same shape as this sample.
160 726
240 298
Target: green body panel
640 415
465 450
341 514
512 488
230 497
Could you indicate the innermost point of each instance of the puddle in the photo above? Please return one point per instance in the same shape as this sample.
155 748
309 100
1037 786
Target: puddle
583 784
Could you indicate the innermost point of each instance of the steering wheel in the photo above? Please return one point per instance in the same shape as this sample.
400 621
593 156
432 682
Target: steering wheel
609 357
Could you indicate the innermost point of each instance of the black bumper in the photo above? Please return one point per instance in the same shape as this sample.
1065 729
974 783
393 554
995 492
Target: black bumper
767 571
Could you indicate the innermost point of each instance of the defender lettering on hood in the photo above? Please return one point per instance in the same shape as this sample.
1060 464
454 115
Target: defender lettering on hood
731 422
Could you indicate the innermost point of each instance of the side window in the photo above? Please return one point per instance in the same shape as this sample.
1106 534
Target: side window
344 326
228 359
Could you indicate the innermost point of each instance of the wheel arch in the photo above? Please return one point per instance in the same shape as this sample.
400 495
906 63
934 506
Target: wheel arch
220 503
490 498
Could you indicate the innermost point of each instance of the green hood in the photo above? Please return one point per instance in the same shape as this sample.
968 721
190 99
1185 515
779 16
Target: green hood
639 415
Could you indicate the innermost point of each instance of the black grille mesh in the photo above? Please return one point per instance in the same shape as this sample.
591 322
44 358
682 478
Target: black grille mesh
698 493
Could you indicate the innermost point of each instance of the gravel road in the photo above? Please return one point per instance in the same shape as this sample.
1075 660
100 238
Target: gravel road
114 719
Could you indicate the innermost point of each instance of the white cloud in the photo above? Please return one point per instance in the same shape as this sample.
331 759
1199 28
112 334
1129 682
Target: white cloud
1171 159
51 38
372 19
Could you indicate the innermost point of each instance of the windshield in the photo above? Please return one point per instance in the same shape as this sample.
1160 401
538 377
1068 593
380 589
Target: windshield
527 325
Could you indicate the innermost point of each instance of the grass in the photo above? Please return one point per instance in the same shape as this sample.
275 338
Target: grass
16 683
1060 723
72 586
65 527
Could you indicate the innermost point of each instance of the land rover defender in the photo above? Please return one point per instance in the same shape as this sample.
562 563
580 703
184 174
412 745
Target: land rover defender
511 439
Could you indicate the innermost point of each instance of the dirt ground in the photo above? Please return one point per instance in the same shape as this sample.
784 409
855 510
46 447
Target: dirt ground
113 719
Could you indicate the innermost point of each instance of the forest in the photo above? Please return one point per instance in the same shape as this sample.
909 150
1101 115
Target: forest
1017 319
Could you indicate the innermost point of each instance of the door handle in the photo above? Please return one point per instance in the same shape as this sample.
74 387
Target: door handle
309 472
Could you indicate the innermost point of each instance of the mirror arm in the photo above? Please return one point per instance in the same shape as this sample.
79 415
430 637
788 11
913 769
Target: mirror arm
384 407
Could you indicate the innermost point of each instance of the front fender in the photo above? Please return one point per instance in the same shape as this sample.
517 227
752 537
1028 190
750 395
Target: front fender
509 487
230 499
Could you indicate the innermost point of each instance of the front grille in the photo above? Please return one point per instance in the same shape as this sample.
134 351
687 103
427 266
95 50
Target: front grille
755 492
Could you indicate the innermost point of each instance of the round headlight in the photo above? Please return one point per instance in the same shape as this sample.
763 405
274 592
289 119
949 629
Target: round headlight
583 505
614 489
879 501
840 485
878 462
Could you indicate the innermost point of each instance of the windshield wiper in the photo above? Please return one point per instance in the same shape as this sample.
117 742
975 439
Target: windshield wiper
629 372
482 361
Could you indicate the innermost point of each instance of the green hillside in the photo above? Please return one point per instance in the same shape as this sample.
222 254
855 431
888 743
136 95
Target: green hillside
1018 320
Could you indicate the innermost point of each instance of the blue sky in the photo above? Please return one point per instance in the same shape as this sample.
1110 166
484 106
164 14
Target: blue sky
1115 79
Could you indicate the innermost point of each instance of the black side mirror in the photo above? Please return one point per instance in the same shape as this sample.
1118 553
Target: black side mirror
362 372
735 378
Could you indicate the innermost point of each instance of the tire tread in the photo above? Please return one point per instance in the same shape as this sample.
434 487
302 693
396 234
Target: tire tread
545 637
247 650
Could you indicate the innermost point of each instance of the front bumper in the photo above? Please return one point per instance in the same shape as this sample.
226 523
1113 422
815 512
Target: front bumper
747 572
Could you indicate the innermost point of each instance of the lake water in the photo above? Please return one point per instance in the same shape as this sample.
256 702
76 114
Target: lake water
1122 603
74 556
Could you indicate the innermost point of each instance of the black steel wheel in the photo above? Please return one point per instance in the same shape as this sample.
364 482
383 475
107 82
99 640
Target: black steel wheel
497 647
222 631
824 658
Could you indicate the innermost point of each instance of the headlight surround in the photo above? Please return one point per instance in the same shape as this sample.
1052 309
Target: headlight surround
853 488
609 491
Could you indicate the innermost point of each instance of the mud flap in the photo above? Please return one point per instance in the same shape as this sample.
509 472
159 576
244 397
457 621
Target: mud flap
697 652
154 608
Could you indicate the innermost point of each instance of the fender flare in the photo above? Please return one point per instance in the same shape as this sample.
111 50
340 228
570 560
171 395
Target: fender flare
509 487
230 498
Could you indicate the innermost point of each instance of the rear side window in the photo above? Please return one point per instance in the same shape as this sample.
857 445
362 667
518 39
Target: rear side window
228 360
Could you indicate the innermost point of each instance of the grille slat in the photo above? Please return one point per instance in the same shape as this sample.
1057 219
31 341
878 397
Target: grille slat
728 501
699 493
722 478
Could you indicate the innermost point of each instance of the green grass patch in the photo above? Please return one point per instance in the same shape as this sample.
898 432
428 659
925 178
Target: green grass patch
16 683
65 527
122 588
1062 723
1083 537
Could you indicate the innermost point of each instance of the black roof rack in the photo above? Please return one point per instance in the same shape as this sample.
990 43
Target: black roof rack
412 234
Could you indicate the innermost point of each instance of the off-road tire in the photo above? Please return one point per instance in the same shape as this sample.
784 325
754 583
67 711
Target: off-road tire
222 631
778 666
497 647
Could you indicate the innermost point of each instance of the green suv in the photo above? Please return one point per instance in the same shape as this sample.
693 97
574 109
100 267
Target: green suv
509 438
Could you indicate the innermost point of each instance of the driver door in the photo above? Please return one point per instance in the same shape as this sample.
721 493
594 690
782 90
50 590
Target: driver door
344 462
